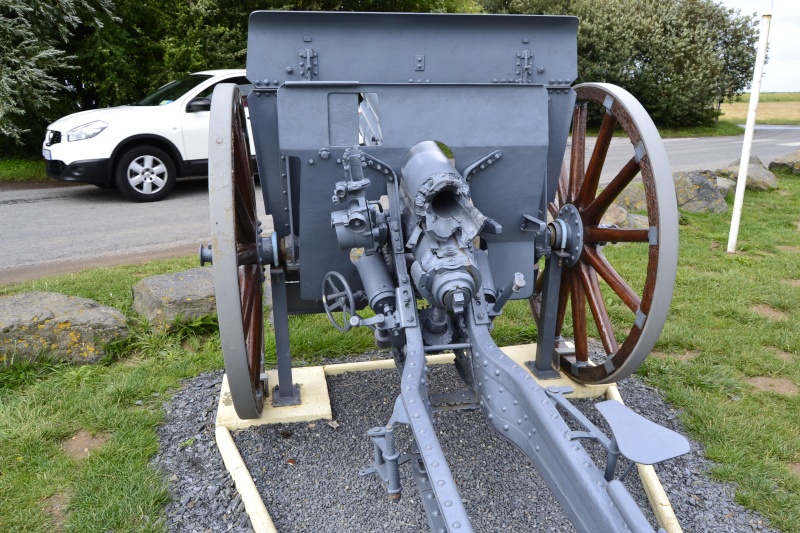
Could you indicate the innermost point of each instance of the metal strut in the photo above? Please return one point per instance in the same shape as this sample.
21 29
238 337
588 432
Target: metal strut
522 412
445 508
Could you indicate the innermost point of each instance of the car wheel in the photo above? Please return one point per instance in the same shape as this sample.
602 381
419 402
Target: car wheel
145 174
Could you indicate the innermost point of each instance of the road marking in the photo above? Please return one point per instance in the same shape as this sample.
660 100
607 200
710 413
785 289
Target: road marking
790 144
679 139
763 140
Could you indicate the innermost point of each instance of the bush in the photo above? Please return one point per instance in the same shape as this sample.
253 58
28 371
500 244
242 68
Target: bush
680 58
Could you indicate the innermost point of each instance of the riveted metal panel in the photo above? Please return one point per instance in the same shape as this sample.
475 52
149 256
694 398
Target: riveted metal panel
472 120
410 48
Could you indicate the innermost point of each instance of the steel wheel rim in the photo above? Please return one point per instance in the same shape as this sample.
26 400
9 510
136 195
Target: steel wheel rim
147 174
238 272
580 286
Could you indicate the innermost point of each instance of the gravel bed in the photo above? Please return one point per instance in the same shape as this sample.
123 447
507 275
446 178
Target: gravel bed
307 473
204 499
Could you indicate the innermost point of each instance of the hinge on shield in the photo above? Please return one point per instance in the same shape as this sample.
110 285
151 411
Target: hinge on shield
308 64
524 68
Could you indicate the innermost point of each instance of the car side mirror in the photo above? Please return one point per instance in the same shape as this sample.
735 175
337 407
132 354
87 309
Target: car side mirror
198 104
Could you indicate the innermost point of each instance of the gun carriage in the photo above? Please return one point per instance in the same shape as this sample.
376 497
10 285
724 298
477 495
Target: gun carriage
416 164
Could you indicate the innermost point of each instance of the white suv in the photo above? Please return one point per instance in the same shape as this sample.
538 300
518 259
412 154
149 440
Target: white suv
141 149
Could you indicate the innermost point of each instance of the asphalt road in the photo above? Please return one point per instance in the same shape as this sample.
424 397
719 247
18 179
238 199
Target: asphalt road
51 229
54 229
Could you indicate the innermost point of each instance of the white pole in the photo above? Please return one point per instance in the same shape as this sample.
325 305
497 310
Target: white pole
741 183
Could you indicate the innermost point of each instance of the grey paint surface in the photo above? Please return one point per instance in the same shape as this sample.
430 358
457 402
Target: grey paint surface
65 228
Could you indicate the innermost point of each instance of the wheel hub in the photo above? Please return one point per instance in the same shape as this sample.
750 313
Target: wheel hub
567 234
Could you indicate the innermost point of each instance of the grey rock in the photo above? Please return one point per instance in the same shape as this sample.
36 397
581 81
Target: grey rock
697 192
632 198
165 297
754 160
67 327
758 177
725 185
618 216
790 162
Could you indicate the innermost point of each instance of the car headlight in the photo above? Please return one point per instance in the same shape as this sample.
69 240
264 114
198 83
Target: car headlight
87 131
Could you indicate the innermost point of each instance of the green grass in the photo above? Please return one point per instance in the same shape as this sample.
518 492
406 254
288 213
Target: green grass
720 128
751 435
22 170
773 97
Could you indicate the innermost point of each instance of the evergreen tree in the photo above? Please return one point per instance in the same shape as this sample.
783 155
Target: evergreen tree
33 35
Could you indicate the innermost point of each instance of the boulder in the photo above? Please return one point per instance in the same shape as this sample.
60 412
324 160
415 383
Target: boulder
165 297
758 177
67 327
790 162
633 198
619 217
725 186
754 160
697 192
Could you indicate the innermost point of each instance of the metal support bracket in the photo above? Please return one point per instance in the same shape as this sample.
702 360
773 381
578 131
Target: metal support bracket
524 65
481 164
308 64
387 460
286 392
542 366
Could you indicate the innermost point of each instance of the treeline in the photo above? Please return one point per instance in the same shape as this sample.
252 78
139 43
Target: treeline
679 57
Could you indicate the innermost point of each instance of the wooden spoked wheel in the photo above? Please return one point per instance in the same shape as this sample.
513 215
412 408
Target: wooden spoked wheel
627 294
238 272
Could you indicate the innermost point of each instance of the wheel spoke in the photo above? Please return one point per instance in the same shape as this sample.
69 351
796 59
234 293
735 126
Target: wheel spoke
160 169
147 187
136 167
563 295
591 287
598 159
252 318
593 235
245 225
158 182
578 298
247 254
147 161
578 159
337 304
612 278
246 295
136 180
595 210
561 192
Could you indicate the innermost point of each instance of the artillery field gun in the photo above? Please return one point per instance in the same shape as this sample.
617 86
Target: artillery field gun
415 164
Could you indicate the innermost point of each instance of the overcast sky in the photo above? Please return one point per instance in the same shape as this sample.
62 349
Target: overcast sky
782 72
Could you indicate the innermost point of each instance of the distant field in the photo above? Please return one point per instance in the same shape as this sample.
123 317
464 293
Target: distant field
773 97
773 108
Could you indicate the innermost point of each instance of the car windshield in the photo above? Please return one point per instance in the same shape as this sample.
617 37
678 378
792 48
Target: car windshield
173 90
